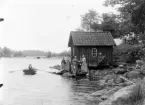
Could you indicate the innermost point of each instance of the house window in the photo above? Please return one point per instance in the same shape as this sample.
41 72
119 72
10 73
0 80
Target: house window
94 52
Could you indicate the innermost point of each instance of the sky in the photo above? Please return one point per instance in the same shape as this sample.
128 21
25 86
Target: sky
42 24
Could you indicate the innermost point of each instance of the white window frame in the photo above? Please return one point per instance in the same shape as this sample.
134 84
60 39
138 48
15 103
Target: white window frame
94 52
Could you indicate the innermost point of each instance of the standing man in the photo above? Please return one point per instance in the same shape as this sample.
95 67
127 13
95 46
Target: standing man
75 65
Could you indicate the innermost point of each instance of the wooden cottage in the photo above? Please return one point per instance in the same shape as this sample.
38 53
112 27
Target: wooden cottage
91 44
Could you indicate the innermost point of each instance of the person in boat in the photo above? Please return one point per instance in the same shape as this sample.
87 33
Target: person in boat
84 66
30 67
75 65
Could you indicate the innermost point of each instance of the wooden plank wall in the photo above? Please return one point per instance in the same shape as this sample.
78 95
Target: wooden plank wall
87 51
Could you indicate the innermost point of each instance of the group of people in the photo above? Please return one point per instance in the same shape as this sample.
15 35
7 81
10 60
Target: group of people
77 66
65 64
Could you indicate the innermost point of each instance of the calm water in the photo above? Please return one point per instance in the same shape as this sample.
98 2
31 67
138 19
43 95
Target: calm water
43 88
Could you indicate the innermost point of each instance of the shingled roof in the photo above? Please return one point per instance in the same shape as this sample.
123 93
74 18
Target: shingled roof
91 39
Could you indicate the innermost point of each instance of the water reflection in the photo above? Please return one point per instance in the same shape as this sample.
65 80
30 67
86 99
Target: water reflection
43 88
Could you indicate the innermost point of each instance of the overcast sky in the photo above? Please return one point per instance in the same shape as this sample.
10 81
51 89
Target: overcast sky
42 24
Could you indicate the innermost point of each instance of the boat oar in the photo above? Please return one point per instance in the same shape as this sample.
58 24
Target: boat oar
14 71
41 70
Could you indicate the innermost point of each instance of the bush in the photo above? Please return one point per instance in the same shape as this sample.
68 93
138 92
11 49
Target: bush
137 94
128 53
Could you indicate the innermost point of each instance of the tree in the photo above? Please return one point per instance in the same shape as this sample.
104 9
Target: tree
87 19
109 23
6 52
48 54
132 12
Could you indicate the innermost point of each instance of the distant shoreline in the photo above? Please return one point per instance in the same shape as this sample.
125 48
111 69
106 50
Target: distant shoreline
33 57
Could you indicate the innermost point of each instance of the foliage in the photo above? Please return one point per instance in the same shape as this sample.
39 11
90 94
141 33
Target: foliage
65 53
87 19
109 23
137 94
129 53
6 52
48 54
18 54
92 21
131 12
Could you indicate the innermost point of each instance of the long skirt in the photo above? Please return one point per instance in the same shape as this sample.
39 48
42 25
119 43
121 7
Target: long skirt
62 66
67 66
84 67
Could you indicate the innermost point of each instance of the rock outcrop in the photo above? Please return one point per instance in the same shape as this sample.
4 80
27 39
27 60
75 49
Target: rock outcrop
122 93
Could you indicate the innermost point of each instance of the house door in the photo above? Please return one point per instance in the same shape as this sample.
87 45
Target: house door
93 57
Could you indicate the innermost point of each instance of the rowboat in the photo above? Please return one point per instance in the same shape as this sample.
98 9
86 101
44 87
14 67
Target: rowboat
1 85
29 71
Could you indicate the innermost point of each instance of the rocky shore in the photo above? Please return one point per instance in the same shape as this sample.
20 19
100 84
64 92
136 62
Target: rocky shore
115 83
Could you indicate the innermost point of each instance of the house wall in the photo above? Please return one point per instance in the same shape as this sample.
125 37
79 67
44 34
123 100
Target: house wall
87 51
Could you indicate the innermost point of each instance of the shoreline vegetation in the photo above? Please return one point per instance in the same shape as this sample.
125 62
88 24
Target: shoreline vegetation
7 52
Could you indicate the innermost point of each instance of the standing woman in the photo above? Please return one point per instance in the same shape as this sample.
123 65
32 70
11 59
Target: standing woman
63 62
84 67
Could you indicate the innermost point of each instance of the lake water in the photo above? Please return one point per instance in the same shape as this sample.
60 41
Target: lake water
43 88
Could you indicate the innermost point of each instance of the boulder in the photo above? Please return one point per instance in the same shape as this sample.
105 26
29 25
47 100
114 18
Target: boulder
143 72
104 97
134 74
131 68
119 80
99 93
125 74
122 93
120 71
102 82
110 82
109 77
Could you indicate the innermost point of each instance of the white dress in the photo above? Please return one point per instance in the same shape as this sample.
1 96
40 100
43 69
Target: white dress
84 67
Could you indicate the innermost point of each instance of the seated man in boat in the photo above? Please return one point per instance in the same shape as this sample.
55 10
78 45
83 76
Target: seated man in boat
30 67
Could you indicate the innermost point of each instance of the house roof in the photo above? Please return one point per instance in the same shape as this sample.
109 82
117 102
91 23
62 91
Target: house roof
91 39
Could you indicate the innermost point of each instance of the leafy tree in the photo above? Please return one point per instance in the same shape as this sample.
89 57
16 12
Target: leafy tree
48 54
6 52
92 21
109 23
132 12
87 19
